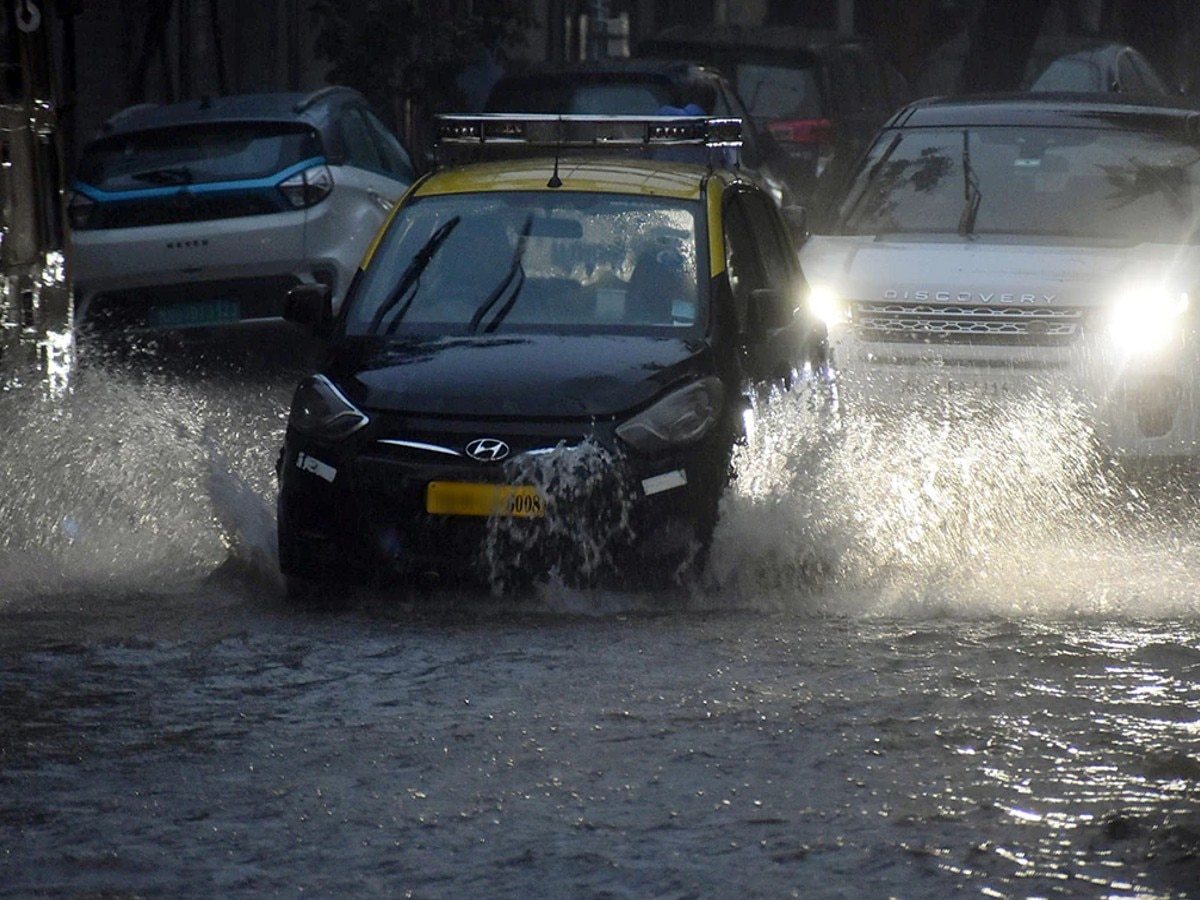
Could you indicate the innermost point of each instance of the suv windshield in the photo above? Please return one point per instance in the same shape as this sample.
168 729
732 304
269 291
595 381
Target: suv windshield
1122 186
572 262
196 154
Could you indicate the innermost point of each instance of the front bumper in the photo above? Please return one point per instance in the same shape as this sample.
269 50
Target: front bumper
1139 408
361 511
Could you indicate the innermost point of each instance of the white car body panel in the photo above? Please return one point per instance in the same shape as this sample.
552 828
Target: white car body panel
1145 405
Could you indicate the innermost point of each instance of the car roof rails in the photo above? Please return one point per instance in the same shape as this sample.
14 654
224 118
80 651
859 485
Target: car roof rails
462 137
320 94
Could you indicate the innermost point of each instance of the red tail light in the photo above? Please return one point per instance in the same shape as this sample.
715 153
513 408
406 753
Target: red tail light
803 131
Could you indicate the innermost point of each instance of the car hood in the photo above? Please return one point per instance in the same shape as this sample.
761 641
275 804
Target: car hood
541 376
980 272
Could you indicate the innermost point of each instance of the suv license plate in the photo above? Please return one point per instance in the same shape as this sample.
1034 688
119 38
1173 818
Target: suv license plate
194 315
461 498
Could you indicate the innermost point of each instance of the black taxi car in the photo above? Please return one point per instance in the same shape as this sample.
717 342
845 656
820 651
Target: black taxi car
544 362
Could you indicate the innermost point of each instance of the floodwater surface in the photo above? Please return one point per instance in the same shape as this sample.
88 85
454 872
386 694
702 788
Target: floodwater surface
931 656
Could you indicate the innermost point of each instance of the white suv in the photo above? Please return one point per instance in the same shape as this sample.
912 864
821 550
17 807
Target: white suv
206 213
1034 243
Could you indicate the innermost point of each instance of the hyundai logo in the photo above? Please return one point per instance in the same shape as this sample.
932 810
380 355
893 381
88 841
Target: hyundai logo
487 449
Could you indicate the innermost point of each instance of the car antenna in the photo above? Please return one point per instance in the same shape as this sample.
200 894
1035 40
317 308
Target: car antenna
555 181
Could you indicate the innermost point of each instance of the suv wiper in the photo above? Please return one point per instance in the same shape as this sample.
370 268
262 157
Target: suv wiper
176 175
972 196
513 271
412 272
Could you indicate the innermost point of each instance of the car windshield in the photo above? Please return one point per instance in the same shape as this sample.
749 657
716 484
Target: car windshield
478 263
1119 186
196 154
779 92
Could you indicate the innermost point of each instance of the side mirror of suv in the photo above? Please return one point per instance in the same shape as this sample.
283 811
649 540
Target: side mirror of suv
311 307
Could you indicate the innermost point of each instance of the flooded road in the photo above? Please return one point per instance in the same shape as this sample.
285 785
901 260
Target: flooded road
925 661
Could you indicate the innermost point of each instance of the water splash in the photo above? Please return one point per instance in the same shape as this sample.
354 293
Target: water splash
587 518
970 508
131 482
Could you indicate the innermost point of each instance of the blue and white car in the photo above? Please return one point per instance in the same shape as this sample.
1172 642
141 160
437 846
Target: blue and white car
205 213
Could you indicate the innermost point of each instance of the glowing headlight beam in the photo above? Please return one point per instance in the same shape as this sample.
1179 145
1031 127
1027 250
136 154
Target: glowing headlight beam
1146 320
828 306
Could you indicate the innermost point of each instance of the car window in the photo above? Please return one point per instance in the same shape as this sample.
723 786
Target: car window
1151 83
744 269
1070 75
561 96
357 141
395 158
501 261
1098 184
845 85
758 251
778 92
616 99
195 154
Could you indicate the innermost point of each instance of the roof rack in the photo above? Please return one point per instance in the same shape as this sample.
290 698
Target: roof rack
573 131
705 140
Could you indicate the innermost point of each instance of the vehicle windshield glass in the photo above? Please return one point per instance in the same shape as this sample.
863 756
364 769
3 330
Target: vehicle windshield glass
520 261
196 154
779 92
1119 186
617 97
1069 75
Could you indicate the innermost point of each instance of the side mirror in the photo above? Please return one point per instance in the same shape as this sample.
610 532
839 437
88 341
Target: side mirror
768 311
311 307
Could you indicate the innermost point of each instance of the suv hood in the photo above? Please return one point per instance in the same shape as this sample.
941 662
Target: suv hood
958 271
535 376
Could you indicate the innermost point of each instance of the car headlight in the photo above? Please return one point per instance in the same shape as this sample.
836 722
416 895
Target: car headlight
1145 320
828 306
321 411
682 417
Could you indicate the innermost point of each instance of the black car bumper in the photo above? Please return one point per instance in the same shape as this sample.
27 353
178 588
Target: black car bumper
606 516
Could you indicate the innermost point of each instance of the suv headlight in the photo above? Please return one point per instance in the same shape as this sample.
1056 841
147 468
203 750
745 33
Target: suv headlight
682 417
309 187
321 411
828 306
1145 320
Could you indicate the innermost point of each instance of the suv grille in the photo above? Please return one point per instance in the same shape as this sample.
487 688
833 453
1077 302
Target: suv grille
954 324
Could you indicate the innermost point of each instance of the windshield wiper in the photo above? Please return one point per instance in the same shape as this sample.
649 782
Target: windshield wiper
509 277
407 280
177 175
972 196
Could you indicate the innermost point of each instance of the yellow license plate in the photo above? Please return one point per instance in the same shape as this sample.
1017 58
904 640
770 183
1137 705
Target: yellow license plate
462 498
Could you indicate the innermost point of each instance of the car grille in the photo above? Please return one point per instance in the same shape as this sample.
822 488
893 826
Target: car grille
962 324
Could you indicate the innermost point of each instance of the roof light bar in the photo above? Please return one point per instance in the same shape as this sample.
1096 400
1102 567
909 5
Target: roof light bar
574 131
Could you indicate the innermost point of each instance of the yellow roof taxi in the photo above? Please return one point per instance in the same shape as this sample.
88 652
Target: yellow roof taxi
544 362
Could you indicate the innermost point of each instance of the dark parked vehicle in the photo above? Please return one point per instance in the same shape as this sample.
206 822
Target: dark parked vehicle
1098 68
634 87
544 364
821 97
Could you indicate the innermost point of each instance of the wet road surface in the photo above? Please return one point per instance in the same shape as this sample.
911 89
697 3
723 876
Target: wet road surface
910 672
